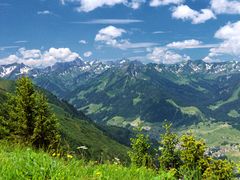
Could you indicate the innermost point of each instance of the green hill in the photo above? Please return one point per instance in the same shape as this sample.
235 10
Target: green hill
77 130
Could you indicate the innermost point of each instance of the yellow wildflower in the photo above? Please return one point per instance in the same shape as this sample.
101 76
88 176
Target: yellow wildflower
69 156
98 173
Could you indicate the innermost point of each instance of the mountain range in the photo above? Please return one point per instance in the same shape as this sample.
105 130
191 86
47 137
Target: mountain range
125 93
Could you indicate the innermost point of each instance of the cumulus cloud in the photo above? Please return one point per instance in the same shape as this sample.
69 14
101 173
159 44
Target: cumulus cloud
87 54
155 3
189 44
135 4
165 56
186 13
90 5
86 5
225 6
230 45
111 36
37 58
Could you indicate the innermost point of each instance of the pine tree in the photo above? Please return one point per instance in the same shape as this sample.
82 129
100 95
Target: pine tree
4 130
21 107
45 132
28 118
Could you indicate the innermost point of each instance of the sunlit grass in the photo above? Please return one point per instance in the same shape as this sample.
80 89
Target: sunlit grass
20 163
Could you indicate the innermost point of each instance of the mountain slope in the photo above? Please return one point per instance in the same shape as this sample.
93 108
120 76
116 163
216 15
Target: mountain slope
77 129
124 92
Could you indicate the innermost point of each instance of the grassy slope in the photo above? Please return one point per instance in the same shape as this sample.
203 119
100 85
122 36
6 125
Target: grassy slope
77 130
24 163
234 97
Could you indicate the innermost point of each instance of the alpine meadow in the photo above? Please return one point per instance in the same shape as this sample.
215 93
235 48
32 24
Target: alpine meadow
119 90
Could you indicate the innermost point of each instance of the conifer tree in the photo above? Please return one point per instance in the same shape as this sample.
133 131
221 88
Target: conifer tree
45 132
4 131
28 118
21 109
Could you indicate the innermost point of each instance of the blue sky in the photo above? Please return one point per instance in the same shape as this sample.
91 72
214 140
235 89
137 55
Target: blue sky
42 32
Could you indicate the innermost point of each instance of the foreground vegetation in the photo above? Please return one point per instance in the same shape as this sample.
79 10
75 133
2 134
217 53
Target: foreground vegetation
185 156
28 123
23 163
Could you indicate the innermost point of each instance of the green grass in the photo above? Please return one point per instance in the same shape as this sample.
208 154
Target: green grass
190 111
234 114
136 100
23 163
118 121
79 132
233 98
215 133
93 108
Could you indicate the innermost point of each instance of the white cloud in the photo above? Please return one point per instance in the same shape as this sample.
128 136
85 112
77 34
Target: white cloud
225 6
189 44
82 41
135 4
28 54
45 12
87 6
111 36
22 41
2 48
186 13
110 21
90 5
229 31
126 44
192 43
230 46
37 58
164 56
155 3
87 54
159 32
9 60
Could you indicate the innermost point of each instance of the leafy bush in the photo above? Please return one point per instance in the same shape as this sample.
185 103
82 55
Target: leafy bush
140 151
220 170
169 155
184 157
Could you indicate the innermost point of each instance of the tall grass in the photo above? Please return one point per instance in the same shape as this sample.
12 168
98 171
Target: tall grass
20 163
